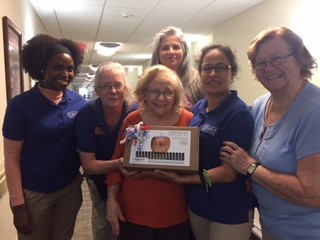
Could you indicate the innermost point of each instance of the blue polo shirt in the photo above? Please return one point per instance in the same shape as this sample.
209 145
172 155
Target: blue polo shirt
226 203
94 135
49 158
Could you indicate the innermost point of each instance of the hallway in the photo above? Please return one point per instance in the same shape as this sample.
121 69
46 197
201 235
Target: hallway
83 224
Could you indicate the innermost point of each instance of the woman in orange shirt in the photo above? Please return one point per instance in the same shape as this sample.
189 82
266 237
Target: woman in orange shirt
150 208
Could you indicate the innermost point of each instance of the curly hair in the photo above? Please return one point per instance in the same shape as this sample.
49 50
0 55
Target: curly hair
34 51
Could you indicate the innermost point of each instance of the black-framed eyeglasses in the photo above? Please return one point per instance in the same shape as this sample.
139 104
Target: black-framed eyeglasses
219 68
109 87
155 93
278 60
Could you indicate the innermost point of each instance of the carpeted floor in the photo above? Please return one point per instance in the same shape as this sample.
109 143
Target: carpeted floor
83 223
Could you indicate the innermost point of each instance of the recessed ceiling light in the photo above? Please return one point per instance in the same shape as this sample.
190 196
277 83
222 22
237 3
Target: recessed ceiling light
107 48
93 67
143 56
126 15
90 75
110 44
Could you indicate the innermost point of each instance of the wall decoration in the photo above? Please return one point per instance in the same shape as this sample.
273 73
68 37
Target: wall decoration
12 41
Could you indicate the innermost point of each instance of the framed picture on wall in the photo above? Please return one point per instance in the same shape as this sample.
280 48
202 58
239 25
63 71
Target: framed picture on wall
12 40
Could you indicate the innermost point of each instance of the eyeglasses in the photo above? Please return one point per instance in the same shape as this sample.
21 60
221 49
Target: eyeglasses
108 87
278 60
155 93
217 68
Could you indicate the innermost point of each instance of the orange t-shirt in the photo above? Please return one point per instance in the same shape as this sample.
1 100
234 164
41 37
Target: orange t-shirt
148 201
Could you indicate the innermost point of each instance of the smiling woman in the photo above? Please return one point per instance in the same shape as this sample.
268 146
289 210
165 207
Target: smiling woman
284 158
41 158
159 92
96 141
171 50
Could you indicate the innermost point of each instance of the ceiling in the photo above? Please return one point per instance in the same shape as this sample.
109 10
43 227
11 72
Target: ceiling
134 23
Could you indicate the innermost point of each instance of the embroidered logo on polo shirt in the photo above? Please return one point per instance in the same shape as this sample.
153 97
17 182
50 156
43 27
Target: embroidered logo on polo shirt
212 130
72 114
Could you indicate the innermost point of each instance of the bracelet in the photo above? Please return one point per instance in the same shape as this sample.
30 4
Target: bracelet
207 179
203 181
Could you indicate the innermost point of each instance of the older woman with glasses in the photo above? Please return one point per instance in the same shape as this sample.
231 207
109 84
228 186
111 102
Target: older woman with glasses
97 127
284 160
150 208
220 207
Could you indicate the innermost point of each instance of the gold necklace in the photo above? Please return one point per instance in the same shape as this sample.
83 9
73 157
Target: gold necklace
276 126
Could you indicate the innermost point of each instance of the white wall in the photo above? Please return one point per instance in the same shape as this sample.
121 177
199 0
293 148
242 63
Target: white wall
133 73
299 15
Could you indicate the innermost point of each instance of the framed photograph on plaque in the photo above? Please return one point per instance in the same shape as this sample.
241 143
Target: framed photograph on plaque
12 40
167 148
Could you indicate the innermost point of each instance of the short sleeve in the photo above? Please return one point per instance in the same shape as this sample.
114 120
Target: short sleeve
85 129
308 134
14 121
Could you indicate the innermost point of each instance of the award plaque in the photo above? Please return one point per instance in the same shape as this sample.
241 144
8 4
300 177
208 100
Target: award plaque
167 148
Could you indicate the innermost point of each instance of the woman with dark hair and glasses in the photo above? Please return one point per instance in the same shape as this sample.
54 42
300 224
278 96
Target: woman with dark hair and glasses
284 159
97 127
220 207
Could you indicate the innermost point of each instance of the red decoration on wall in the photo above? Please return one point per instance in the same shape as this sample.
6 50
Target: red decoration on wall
83 47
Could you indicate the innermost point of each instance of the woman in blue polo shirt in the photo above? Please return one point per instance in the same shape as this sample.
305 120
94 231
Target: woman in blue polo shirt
97 126
220 207
41 159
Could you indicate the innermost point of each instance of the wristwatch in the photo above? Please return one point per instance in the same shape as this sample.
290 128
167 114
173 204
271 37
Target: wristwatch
252 168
